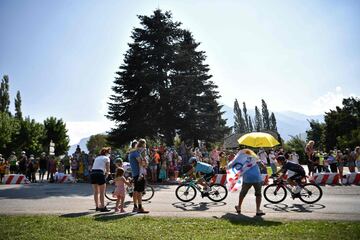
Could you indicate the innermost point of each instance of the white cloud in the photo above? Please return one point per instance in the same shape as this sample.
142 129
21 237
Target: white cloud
83 129
328 101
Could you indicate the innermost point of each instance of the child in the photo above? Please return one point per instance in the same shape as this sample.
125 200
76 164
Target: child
119 192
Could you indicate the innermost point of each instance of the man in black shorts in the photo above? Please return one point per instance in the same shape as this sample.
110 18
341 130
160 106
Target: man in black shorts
297 168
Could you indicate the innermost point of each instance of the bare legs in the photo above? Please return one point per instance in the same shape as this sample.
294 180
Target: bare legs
99 194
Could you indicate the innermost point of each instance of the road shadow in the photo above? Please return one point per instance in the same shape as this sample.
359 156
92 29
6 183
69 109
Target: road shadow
45 190
202 206
240 219
76 215
303 208
110 216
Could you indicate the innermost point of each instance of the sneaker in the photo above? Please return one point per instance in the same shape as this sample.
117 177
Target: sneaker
260 213
135 209
104 209
297 189
141 210
97 209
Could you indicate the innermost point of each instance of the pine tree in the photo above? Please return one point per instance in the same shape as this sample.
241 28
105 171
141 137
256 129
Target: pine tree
247 124
251 128
258 120
273 125
4 95
18 113
163 87
239 124
265 115
198 116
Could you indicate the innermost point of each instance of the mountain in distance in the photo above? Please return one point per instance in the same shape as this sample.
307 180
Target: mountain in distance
289 123
82 145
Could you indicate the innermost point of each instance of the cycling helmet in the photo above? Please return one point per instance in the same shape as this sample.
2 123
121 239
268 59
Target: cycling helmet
192 160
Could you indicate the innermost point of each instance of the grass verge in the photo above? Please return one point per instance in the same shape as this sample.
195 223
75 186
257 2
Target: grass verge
75 226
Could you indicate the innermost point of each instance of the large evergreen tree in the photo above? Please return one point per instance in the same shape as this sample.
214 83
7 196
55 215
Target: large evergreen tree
273 124
246 117
55 130
265 115
4 95
163 87
258 120
18 113
239 123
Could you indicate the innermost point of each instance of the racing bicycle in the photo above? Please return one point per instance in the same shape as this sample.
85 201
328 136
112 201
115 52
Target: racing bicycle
188 188
277 192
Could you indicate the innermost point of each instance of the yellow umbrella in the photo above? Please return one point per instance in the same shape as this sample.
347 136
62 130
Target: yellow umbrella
258 139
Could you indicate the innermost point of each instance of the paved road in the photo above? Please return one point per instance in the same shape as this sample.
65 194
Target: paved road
338 202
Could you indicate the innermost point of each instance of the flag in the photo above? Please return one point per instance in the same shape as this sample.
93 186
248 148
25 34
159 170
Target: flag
243 161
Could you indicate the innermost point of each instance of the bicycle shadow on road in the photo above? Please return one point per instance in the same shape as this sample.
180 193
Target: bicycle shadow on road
240 219
202 206
303 208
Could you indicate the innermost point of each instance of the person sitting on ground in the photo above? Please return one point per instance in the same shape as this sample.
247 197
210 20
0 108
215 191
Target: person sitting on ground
296 168
203 169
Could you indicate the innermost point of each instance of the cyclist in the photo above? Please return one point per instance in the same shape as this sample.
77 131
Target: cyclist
296 168
204 169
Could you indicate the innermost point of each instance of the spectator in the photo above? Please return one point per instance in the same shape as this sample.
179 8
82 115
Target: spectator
251 178
43 163
119 192
309 151
22 163
272 158
13 163
340 162
74 167
2 168
99 173
215 159
222 163
351 161
263 157
52 168
139 180
331 159
154 164
357 157
66 162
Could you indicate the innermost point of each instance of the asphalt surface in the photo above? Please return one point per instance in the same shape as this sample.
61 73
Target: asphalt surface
337 203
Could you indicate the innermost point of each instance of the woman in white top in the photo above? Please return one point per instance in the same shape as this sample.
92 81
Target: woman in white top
99 172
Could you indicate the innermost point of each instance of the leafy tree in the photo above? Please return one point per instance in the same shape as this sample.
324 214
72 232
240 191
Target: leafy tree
18 113
55 130
239 124
265 115
342 125
273 125
246 117
96 143
258 120
29 137
298 144
8 128
4 95
316 133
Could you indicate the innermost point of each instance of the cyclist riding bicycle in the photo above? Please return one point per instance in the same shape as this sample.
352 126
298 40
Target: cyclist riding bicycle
296 168
204 169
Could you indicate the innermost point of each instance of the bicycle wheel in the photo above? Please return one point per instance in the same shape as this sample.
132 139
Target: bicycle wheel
110 188
148 193
185 192
310 193
275 193
217 192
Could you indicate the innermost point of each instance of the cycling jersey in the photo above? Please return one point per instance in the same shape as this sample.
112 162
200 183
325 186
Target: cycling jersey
297 168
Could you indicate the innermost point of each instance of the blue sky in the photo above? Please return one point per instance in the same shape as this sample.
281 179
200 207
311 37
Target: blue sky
301 56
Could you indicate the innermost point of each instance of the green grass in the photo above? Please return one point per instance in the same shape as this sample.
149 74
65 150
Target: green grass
131 227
